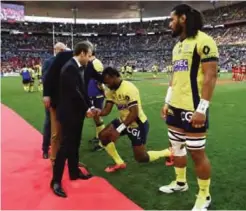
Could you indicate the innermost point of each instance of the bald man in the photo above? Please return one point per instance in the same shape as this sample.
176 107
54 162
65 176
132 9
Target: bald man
51 126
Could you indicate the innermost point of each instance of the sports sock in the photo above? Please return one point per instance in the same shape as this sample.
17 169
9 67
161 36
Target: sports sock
180 174
31 88
155 155
99 129
25 87
112 151
203 187
40 87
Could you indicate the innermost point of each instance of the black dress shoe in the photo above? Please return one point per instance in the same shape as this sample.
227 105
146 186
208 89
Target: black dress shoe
81 176
57 189
45 155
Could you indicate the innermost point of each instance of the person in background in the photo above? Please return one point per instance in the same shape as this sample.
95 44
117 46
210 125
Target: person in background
96 94
26 78
51 72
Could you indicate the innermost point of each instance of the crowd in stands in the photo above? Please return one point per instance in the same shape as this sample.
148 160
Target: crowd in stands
214 17
225 14
142 51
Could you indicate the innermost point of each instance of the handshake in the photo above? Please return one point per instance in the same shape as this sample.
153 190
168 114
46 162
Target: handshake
92 112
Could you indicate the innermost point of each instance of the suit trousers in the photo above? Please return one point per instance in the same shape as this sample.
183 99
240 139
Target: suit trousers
69 149
55 133
46 132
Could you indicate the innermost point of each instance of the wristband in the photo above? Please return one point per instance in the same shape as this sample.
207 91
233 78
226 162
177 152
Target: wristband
169 95
121 128
202 106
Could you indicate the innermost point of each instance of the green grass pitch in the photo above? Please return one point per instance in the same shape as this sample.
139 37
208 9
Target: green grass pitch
226 146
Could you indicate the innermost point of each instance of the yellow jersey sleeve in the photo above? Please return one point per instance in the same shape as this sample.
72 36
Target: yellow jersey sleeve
97 64
132 96
208 50
109 96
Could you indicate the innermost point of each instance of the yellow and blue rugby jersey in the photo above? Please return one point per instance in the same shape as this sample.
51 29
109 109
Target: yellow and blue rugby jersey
187 82
124 97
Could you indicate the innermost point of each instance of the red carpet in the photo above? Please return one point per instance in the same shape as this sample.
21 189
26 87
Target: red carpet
26 176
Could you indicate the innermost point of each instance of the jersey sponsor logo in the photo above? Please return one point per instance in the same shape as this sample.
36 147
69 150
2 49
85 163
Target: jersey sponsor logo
186 116
206 50
180 65
135 132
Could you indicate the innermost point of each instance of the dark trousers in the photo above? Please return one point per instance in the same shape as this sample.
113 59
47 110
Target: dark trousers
70 142
46 132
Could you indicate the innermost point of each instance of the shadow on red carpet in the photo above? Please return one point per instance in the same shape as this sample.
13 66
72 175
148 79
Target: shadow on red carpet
26 176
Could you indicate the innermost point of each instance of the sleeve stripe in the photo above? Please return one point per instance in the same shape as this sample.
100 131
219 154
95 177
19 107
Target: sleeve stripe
131 103
134 103
211 59
109 101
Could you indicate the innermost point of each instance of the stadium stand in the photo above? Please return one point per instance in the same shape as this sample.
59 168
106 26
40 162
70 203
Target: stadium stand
33 41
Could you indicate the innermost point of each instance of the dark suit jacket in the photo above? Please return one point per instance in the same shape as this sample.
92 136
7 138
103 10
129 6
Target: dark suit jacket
46 65
73 98
52 78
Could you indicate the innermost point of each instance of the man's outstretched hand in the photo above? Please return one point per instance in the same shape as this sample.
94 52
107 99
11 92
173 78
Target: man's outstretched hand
93 112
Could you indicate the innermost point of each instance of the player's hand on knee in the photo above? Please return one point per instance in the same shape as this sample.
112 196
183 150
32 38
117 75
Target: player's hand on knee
198 120
164 111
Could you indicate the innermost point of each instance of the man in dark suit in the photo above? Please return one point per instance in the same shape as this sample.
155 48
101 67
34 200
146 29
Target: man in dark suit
49 122
51 94
74 105
47 125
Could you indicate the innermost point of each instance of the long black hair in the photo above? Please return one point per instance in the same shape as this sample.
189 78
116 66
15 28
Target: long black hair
194 19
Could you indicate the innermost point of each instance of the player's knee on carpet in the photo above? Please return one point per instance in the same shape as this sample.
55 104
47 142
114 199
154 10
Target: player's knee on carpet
140 154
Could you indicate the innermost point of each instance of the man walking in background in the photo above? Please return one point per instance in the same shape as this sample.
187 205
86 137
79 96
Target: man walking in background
50 93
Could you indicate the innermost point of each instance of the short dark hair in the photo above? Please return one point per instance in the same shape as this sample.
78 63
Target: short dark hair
83 46
194 19
110 71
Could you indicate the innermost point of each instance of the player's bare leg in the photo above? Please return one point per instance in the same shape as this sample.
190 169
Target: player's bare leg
196 144
110 148
177 139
